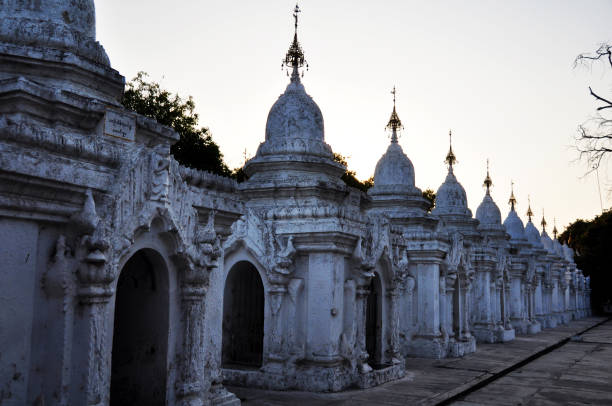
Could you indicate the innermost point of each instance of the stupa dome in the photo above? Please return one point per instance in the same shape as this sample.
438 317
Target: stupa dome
569 253
514 226
295 125
68 25
547 242
533 235
394 173
295 115
488 213
451 197
294 141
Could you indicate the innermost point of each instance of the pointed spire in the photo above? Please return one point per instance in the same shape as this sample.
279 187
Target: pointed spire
512 201
488 182
529 212
450 157
555 232
543 223
394 123
295 56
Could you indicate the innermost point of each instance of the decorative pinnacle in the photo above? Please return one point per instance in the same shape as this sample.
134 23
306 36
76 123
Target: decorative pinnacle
512 201
451 159
488 182
394 123
295 56
555 232
543 223
529 212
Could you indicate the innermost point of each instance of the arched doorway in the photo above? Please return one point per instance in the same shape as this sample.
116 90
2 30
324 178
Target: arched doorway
140 335
243 317
374 323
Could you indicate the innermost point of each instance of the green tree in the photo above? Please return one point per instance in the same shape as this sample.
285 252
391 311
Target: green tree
196 148
591 240
430 195
349 177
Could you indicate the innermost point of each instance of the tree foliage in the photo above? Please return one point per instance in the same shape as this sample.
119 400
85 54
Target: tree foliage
349 177
430 195
592 241
594 140
196 148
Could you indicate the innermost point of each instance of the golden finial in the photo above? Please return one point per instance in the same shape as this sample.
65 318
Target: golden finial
512 201
394 123
451 159
529 212
295 56
555 232
488 182
543 223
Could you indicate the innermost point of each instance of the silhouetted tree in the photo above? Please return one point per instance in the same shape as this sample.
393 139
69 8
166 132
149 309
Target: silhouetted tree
592 241
349 177
196 148
430 195
594 140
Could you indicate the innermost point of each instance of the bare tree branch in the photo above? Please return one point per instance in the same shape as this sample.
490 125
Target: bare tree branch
600 99
594 139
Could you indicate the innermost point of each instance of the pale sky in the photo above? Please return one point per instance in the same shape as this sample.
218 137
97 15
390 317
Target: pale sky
498 73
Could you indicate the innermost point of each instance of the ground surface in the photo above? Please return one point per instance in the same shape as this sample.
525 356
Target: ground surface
577 372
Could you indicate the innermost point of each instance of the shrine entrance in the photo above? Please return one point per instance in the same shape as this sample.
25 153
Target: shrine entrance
374 323
243 317
140 334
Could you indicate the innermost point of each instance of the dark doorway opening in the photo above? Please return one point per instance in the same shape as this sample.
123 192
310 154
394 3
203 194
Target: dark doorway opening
140 335
374 323
243 317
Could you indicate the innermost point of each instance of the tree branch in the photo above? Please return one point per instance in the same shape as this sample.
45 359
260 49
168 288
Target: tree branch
596 96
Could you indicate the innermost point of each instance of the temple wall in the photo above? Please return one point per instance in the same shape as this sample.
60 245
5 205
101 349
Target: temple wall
18 293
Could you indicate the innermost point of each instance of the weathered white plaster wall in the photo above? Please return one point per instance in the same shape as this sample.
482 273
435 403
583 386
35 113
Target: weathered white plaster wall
18 256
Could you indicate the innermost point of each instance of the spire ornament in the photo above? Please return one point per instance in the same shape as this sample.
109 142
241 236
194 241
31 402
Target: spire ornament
294 58
488 182
394 123
555 232
543 223
451 159
529 212
512 200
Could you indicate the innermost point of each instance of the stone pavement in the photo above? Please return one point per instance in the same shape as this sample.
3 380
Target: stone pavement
578 373
431 382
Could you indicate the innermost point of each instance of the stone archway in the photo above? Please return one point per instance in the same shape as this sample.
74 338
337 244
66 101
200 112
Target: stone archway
140 334
374 321
243 317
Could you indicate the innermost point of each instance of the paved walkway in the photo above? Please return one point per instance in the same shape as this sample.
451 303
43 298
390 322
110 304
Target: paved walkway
431 382
578 373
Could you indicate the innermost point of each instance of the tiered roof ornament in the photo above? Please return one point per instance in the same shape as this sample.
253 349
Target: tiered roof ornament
394 123
294 58
543 223
555 232
451 159
529 212
512 200
488 182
